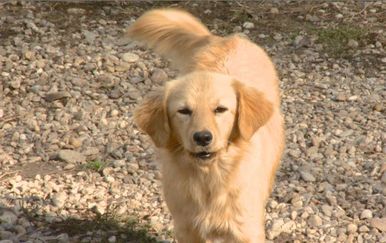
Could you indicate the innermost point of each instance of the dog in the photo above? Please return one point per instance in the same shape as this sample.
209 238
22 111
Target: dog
217 128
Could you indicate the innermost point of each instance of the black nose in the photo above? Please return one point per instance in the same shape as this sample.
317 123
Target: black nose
202 138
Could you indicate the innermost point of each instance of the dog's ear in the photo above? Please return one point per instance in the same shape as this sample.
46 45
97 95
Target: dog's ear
253 110
151 117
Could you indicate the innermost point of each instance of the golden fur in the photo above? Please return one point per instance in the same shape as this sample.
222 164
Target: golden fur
228 86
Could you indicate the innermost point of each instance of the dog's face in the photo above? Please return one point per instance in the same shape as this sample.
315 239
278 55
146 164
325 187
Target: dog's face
202 113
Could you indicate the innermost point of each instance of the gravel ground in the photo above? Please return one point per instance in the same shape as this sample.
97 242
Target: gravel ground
75 169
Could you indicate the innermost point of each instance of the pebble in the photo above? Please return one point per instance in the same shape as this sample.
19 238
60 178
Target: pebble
366 214
352 43
59 199
159 76
50 97
8 217
379 223
248 25
352 228
307 176
71 156
130 57
315 221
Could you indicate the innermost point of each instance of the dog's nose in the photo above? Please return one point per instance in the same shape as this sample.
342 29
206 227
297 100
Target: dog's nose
202 138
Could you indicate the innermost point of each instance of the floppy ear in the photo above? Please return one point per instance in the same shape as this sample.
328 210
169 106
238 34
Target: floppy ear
254 110
151 117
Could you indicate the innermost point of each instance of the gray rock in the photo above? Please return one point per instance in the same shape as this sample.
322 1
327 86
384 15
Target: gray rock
307 176
366 214
75 11
59 199
352 228
71 156
56 96
8 217
315 221
379 223
130 57
159 76
249 25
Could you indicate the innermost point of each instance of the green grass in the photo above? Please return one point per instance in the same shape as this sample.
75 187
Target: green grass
335 39
95 165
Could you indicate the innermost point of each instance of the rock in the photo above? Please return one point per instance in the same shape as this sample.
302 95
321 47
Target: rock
112 239
63 238
59 199
71 156
78 11
130 57
307 176
315 221
15 83
339 16
327 210
8 217
89 36
274 11
379 223
159 76
249 25
56 96
352 43
352 228
341 97
366 214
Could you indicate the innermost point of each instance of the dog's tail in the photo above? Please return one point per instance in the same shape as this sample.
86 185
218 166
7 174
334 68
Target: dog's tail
172 33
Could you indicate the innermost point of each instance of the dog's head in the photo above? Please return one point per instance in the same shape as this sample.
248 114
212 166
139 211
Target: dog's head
201 114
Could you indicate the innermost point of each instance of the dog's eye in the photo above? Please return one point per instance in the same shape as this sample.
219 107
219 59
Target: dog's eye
185 111
220 109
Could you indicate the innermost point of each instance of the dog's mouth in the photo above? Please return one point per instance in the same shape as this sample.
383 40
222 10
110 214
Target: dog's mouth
204 155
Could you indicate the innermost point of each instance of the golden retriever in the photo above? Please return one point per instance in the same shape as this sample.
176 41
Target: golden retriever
217 128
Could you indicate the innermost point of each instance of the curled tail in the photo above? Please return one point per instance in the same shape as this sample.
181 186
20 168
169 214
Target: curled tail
172 33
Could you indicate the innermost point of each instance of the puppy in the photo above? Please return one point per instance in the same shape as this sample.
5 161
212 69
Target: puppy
217 128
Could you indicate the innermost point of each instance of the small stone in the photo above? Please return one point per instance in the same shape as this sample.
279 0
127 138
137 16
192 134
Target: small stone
159 76
15 84
76 11
8 217
71 156
274 11
315 221
339 16
75 142
327 210
379 223
366 214
363 228
307 176
59 199
28 55
341 97
56 96
63 238
130 57
352 228
249 25
352 43
383 178
378 107
112 239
